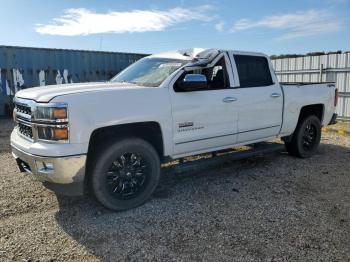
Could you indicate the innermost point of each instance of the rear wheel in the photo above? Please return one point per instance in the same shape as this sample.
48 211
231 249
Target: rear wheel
305 138
125 174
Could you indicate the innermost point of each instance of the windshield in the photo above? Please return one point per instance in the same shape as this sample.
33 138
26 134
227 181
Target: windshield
149 71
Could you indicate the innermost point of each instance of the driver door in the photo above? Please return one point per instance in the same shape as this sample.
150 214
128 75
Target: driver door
205 120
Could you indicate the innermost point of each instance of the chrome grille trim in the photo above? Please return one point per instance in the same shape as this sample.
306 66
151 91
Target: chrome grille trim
20 115
23 108
25 130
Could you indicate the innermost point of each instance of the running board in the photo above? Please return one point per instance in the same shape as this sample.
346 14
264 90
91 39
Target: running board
203 161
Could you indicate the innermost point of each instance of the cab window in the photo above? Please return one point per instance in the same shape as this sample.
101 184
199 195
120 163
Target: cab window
253 71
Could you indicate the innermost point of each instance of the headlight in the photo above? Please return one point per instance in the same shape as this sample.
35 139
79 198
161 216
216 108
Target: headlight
54 133
51 122
58 114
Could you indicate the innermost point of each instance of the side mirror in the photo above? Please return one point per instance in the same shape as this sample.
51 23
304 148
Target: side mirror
193 82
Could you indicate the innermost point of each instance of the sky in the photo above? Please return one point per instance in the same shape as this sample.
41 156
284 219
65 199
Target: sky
272 27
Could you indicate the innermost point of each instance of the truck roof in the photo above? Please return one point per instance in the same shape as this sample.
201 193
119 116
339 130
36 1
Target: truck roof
199 53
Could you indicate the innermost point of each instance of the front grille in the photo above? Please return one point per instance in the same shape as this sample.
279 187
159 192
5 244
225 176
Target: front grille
23 116
25 130
21 108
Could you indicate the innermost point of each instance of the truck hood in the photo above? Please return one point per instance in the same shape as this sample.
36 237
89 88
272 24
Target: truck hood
46 93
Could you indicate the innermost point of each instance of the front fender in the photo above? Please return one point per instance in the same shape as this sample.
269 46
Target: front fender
93 110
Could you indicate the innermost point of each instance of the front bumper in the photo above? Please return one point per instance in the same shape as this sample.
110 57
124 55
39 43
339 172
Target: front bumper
58 170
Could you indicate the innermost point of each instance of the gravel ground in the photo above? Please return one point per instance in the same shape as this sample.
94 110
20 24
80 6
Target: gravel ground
271 208
342 125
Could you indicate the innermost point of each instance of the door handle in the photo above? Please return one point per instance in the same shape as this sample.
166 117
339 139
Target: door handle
229 99
275 95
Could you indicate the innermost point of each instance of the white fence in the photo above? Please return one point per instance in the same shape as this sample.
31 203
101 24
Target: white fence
320 68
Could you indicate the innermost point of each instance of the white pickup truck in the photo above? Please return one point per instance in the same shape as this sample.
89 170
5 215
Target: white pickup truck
111 138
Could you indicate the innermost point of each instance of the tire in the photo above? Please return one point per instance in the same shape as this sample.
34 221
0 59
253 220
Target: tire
120 184
306 138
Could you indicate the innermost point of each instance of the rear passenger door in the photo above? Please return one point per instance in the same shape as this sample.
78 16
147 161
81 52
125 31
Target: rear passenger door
259 98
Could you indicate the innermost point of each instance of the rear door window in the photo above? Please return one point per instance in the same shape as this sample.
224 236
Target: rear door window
253 71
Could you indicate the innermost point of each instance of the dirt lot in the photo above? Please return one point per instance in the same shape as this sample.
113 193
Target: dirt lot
342 125
272 208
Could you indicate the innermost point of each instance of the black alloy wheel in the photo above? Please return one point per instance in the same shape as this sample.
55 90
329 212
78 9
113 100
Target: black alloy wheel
309 137
124 173
127 176
306 137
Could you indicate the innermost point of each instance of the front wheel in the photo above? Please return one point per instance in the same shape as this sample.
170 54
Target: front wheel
306 137
125 174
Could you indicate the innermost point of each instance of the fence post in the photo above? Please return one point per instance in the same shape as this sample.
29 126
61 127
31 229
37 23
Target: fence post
321 71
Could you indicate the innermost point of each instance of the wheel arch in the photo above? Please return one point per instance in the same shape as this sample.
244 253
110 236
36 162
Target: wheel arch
307 110
150 131
314 109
